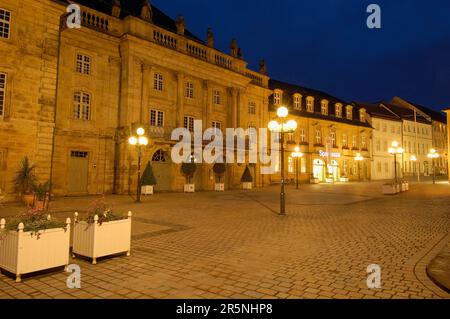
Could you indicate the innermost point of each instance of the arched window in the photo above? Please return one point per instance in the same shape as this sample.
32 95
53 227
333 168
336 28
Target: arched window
159 156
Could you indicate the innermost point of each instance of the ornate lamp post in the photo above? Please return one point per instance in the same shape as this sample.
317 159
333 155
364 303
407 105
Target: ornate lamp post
298 157
138 140
394 150
282 128
359 158
432 155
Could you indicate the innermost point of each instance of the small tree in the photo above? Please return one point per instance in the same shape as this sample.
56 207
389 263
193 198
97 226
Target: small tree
188 170
247 176
148 178
219 170
25 177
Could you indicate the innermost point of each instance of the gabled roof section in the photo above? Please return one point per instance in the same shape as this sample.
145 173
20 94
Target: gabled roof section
133 8
405 113
376 110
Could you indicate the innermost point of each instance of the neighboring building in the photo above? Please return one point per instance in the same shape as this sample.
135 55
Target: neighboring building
128 65
447 111
439 132
387 128
416 140
28 73
330 133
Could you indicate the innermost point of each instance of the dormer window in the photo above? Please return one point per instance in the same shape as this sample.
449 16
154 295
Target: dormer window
310 104
338 110
349 113
324 107
362 115
297 102
277 97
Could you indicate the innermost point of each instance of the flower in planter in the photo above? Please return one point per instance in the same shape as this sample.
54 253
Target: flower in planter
103 210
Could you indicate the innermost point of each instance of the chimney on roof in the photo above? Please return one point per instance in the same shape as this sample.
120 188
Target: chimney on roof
210 38
116 8
181 25
234 48
146 11
263 67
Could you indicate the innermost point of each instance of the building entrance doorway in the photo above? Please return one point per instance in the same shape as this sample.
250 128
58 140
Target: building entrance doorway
319 170
162 171
333 170
78 173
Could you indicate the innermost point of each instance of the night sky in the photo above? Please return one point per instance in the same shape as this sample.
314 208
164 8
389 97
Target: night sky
326 45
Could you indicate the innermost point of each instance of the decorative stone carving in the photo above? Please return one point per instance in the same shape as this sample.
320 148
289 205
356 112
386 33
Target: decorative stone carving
146 11
262 67
116 8
234 48
181 25
210 38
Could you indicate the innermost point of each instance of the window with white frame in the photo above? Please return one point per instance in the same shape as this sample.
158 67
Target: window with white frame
2 94
156 118
5 23
290 137
362 115
344 140
310 104
345 167
363 141
318 137
251 107
355 168
83 64
338 110
302 135
189 123
189 90
217 125
82 106
217 97
277 98
324 107
290 165
333 138
297 102
158 82
349 114
354 142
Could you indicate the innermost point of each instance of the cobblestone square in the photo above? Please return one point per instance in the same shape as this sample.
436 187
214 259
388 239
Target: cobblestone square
234 245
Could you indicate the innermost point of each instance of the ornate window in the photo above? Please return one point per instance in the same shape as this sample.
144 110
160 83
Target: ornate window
5 23
324 107
302 135
349 112
318 137
159 156
363 141
333 139
158 82
217 126
189 90
297 102
83 64
217 97
344 140
277 97
82 106
2 94
338 110
310 104
189 123
251 107
362 115
354 142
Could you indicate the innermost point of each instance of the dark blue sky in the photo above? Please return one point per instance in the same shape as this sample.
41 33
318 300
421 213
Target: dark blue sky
326 45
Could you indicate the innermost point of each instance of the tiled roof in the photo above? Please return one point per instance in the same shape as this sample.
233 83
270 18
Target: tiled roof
288 95
405 113
376 110
435 115
133 8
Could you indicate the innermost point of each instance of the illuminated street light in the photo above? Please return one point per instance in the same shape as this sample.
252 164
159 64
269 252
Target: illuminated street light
433 154
298 157
282 128
359 158
395 150
139 141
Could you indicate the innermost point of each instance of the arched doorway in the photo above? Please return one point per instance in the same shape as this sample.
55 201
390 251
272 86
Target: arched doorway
162 171
319 170
333 170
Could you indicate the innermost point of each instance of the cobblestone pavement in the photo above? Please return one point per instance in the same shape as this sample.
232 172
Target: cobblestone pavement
234 245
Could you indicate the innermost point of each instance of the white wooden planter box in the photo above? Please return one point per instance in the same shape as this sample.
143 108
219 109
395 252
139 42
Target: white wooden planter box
26 252
247 185
189 188
344 179
219 187
95 240
147 190
404 187
390 190
314 181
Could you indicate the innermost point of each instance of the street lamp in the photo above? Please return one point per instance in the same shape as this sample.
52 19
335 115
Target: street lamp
394 150
282 128
432 155
138 140
359 158
298 157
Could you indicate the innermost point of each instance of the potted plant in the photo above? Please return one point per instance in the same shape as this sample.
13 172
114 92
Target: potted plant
247 179
33 242
219 170
25 180
148 180
390 189
188 170
41 195
102 233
